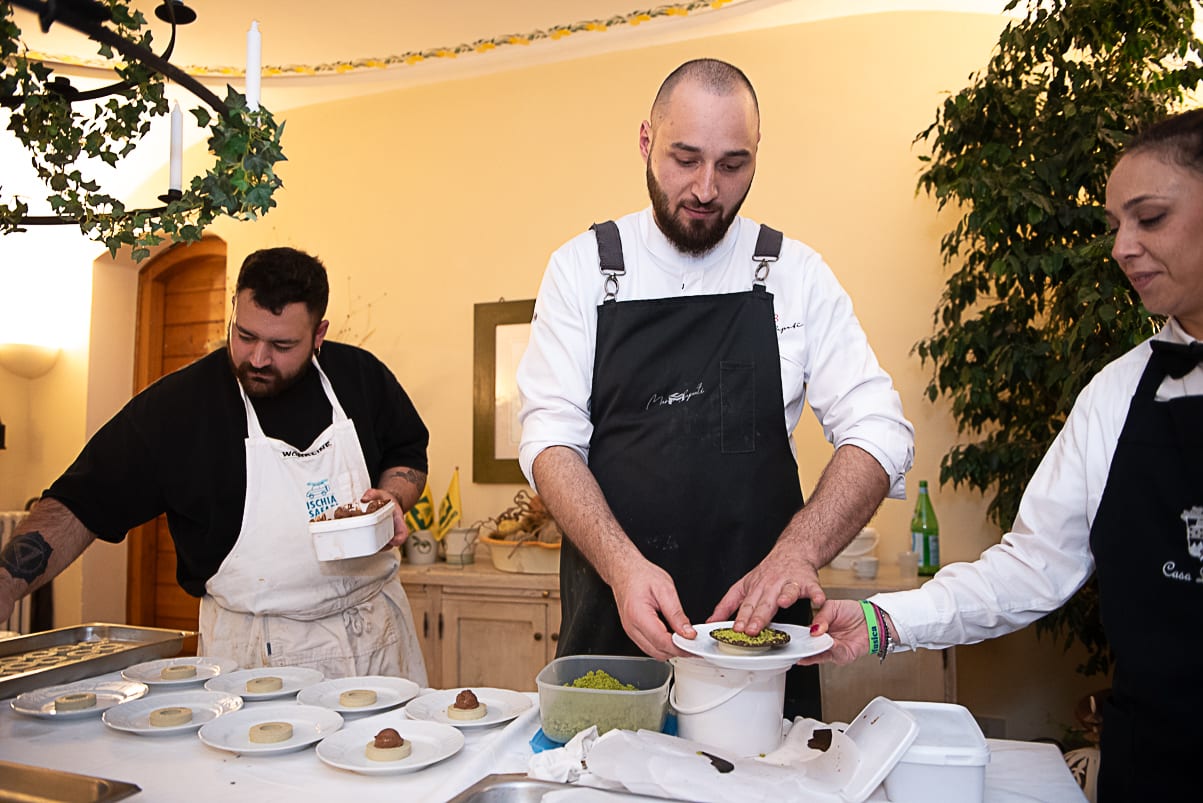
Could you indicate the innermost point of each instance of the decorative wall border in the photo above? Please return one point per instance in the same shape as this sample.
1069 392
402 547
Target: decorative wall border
480 47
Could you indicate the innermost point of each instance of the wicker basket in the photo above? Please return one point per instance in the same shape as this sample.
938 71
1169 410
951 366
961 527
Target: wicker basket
523 557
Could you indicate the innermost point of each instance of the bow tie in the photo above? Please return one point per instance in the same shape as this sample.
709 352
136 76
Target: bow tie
1179 359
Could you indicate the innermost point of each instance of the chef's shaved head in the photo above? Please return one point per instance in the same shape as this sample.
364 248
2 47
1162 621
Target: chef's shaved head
713 75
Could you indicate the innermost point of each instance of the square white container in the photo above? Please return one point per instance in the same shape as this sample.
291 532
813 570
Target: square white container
354 536
947 761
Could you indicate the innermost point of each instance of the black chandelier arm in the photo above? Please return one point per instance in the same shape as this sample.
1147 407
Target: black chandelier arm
55 220
80 15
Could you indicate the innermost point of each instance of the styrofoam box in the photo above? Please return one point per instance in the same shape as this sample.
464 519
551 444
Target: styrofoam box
354 536
947 761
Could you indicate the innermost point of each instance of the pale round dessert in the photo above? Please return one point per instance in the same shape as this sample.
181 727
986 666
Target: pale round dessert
270 732
264 684
388 746
357 698
178 672
167 717
466 706
77 701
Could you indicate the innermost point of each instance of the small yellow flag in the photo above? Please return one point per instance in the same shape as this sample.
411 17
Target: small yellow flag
450 509
421 515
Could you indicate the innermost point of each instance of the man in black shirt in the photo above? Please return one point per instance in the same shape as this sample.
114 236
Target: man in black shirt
241 449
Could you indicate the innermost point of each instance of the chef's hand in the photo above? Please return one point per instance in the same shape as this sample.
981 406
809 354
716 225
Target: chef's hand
779 581
844 621
400 528
644 594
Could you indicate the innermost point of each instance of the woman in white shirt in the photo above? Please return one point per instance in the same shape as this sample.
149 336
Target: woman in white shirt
1120 492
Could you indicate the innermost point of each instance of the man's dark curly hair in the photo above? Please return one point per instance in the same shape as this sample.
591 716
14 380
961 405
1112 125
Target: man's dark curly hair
278 277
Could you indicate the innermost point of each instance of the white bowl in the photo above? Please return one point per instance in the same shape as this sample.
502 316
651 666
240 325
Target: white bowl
864 543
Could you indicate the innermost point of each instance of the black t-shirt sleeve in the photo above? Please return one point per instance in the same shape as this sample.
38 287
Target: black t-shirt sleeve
111 487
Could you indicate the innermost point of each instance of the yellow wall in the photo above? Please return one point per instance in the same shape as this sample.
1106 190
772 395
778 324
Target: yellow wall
425 201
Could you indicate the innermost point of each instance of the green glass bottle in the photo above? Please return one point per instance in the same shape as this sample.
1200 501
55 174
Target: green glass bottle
925 533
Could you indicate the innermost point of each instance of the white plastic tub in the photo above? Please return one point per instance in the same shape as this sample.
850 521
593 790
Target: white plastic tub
354 536
947 761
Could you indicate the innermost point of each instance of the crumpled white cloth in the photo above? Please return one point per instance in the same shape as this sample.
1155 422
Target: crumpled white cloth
650 763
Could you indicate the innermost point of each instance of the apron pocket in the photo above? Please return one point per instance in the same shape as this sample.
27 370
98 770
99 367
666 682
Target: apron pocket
737 399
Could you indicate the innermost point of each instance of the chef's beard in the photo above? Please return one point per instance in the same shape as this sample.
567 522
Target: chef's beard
265 383
694 237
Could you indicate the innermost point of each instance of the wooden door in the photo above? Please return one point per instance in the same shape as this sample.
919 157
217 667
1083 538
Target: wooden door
181 316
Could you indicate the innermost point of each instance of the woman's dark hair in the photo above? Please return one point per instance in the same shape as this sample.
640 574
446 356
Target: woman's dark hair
1179 139
278 277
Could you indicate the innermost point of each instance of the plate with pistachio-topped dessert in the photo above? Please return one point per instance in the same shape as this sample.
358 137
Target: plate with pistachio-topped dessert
775 646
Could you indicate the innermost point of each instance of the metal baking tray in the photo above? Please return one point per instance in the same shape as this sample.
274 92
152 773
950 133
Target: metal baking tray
516 787
22 783
73 653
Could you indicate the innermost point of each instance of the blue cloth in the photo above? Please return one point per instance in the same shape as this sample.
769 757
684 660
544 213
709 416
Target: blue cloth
540 741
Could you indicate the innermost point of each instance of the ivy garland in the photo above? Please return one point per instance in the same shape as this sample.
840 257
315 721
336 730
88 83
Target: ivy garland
246 145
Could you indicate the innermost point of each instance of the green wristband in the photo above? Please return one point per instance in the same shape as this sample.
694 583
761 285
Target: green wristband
871 623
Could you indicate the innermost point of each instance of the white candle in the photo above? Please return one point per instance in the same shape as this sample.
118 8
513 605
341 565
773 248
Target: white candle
253 63
177 147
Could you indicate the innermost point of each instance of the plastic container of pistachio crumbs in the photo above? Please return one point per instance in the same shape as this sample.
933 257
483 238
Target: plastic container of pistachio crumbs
565 710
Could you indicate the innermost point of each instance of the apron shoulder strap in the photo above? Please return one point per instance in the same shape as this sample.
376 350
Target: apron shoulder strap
768 244
609 247
609 253
768 249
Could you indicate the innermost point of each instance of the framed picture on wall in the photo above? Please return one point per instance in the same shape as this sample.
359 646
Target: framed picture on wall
500 335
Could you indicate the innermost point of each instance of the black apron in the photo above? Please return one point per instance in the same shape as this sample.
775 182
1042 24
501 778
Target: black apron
690 450
1151 597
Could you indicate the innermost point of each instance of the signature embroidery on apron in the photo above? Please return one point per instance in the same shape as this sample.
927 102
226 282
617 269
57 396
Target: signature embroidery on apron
679 397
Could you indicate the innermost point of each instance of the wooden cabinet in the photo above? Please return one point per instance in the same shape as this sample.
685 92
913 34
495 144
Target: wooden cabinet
483 627
928 675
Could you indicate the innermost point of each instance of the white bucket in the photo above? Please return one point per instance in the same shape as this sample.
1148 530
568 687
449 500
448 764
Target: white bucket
737 710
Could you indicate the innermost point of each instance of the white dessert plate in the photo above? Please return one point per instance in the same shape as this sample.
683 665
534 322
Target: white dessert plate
390 693
309 724
502 705
40 702
293 678
801 644
206 706
151 672
431 742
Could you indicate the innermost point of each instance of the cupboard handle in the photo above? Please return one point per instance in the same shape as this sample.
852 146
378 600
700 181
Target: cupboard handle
538 636
546 594
555 636
425 624
440 626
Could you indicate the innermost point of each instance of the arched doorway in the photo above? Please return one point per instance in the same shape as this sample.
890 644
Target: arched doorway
181 316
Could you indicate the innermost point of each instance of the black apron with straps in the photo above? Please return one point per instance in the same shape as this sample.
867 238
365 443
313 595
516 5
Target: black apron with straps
690 450
1147 542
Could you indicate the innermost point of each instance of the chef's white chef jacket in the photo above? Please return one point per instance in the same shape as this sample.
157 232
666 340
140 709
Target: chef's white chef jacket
1046 557
825 357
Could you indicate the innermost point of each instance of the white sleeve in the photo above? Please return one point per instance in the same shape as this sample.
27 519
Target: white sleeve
1044 559
852 396
555 375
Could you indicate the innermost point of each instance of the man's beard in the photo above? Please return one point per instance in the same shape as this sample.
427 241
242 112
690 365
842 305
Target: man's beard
693 237
266 383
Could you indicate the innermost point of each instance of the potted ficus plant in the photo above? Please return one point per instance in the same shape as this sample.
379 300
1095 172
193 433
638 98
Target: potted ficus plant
1034 305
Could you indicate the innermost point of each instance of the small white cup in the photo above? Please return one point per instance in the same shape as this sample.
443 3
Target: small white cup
865 567
460 545
420 547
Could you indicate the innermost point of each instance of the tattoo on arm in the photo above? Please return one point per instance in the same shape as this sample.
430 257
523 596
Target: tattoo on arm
26 556
407 474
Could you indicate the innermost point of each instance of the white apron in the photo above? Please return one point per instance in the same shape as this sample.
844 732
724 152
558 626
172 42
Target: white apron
272 602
